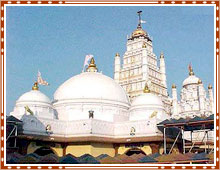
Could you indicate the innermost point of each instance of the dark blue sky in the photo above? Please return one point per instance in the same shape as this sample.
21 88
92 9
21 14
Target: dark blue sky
55 40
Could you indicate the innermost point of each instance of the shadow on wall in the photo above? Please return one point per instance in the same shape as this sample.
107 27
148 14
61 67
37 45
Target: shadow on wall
32 125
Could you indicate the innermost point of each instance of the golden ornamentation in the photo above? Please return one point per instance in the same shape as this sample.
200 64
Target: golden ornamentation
210 86
132 132
146 89
191 73
144 45
154 114
92 66
173 86
199 81
139 32
27 109
117 54
35 86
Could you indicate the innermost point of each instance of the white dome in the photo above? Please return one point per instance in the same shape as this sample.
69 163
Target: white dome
34 96
91 85
147 99
147 106
37 102
192 79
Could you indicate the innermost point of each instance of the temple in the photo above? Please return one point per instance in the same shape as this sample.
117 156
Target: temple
95 114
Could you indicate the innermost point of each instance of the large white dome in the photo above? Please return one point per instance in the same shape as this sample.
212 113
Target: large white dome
91 85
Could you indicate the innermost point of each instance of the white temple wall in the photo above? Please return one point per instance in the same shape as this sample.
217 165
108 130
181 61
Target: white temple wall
142 128
38 109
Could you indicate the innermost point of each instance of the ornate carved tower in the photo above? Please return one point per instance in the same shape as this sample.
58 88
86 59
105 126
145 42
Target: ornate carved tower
139 66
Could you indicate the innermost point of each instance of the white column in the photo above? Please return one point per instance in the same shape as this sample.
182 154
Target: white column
117 68
145 73
174 100
163 70
201 96
211 99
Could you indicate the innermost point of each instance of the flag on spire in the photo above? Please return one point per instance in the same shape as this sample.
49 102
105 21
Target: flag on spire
190 67
143 22
40 80
87 58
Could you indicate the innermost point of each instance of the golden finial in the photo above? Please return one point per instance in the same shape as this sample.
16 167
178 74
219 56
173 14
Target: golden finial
173 86
35 86
191 73
144 45
210 86
117 55
146 89
92 66
161 54
199 81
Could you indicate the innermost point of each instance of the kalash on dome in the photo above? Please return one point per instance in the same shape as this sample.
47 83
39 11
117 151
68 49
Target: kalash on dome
111 116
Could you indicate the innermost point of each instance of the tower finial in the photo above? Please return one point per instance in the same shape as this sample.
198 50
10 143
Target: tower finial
210 86
35 86
173 86
161 54
199 81
191 73
92 66
139 19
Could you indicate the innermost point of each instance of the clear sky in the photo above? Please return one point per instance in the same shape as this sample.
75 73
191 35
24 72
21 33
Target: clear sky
55 41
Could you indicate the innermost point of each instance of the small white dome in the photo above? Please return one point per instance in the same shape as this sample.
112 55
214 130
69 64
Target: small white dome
37 103
147 106
147 99
34 96
192 79
91 85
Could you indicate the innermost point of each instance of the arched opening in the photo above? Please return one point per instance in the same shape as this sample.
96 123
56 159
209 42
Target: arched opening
134 151
44 151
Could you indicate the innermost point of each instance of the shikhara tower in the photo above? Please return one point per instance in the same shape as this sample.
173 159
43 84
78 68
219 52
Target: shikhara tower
140 67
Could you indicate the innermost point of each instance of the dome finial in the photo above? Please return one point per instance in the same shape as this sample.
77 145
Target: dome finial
92 66
35 86
146 89
191 73
210 86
